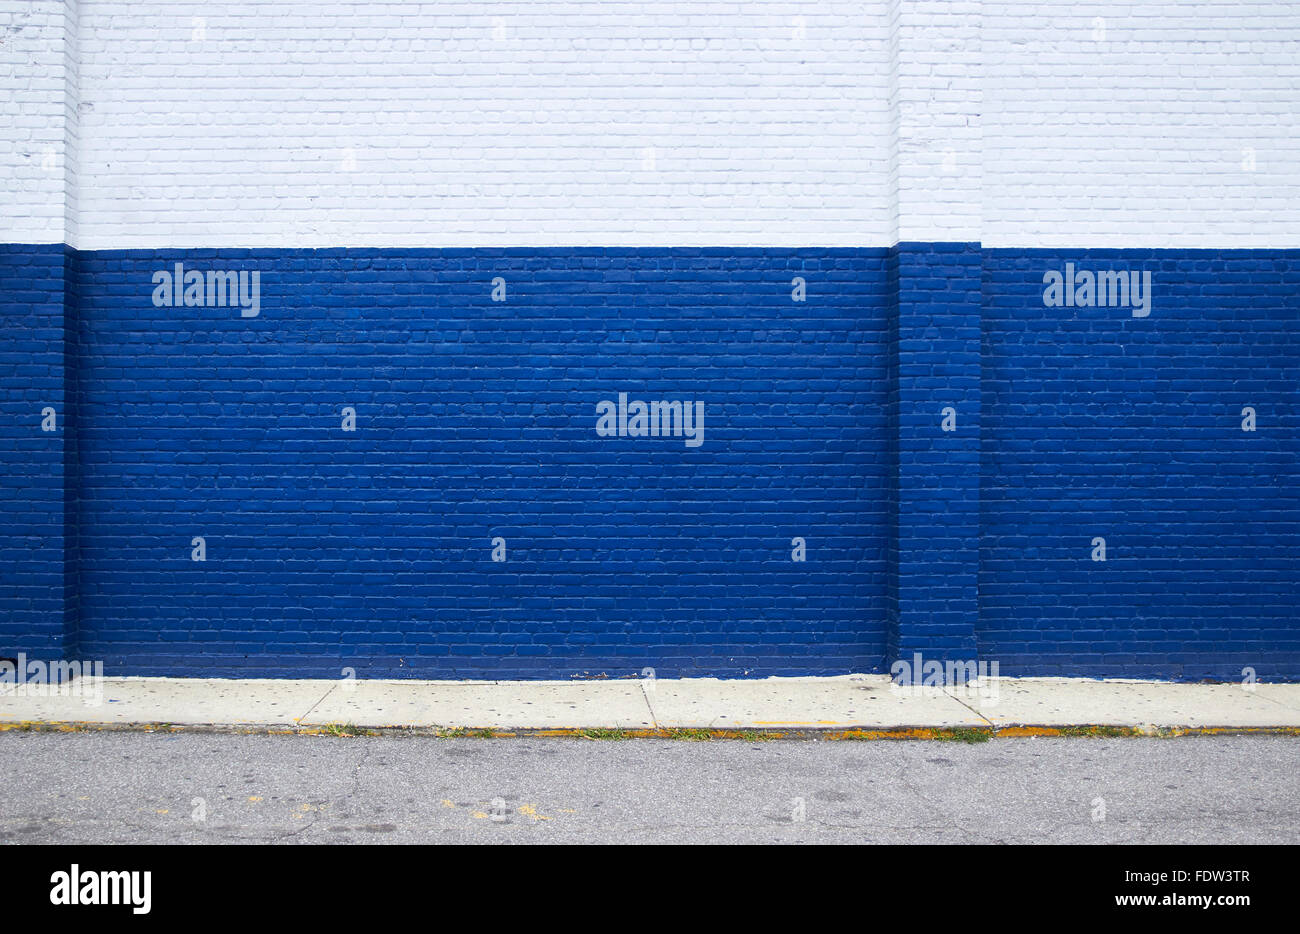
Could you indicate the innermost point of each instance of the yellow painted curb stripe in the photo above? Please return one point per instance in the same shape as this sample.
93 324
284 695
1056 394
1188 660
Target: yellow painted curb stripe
679 733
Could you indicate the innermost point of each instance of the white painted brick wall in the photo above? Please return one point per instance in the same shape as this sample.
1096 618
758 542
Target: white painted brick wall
37 120
1126 124
465 124
292 123
935 97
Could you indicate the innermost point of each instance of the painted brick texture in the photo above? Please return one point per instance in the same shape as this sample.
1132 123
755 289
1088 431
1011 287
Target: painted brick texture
37 589
476 420
648 179
1098 423
1154 124
936 328
457 124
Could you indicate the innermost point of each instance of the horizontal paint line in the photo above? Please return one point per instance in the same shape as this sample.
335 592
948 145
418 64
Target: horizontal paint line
967 734
1116 245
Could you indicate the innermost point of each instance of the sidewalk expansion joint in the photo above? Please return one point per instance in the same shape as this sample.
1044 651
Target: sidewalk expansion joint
649 705
971 709
319 701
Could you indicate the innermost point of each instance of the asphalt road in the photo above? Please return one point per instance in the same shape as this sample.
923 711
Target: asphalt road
119 787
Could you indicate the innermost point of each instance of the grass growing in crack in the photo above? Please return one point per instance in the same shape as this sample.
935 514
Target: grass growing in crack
690 736
964 735
1105 732
755 736
346 729
603 733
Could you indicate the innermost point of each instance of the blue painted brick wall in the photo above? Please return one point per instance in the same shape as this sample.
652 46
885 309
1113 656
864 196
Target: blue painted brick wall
1097 423
475 419
936 367
371 550
36 591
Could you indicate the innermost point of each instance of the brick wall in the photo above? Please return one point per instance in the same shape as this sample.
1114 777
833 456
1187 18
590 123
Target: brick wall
475 421
461 124
1153 124
37 471
649 180
1101 424
936 422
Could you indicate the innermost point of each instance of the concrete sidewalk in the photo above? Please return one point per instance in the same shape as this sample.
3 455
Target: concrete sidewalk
853 702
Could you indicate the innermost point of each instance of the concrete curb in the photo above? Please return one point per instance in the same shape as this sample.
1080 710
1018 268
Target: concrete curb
851 707
767 734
